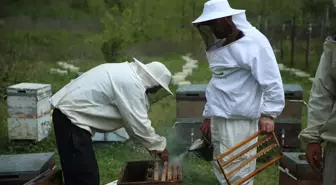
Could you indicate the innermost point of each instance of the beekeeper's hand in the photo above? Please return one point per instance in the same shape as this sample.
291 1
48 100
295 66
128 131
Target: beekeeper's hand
164 155
205 128
266 124
314 156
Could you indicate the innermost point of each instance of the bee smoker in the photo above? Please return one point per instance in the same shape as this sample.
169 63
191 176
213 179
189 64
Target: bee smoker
202 148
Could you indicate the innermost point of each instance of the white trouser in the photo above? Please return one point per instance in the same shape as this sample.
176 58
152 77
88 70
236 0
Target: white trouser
225 133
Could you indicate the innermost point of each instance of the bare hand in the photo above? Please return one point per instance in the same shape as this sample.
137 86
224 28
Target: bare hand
164 155
314 156
266 124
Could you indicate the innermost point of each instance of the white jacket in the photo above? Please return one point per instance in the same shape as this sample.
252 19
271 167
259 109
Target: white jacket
246 80
108 97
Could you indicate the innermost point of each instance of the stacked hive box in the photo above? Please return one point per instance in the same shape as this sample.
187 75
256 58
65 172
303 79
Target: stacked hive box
288 124
295 170
190 101
21 168
29 111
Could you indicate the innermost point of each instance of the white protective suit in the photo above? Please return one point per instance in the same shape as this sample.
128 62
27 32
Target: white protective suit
111 96
245 83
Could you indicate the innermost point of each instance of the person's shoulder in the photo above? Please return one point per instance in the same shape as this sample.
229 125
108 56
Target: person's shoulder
122 76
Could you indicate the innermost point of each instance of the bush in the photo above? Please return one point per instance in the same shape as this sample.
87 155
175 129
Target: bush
112 49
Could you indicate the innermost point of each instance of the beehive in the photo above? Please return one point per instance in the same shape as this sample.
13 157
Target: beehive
29 111
188 129
151 173
190 100
287 132
294 102
49 177
21 168
295 170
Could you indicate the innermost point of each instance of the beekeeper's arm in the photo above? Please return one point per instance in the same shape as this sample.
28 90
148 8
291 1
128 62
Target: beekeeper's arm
131 102
264 68
322 96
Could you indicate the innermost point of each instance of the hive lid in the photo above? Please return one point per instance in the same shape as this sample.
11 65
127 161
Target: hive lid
293 157
288 121
29 86
297 166
24 163
292 88
194 88
29 89
197 120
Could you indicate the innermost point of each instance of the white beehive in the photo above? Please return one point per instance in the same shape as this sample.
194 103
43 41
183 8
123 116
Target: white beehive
118 135
29 111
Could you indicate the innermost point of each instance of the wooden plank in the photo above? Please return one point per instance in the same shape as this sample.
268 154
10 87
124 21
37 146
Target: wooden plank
180 175
164 172
169 178
156 171
175 173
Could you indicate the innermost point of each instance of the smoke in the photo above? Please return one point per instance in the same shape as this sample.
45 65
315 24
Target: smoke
178 160
177 146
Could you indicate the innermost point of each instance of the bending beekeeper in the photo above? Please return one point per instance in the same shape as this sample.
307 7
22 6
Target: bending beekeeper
321 125
246 87
106 98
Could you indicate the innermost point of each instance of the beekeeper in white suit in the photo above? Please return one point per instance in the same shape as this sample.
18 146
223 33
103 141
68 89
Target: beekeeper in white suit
246 87
104 99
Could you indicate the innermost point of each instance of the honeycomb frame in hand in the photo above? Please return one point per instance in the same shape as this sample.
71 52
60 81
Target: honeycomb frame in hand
263 139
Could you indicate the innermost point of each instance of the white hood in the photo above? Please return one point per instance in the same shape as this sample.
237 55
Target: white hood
146 79
210 40
242 23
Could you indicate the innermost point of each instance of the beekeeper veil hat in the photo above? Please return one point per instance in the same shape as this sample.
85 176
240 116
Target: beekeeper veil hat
158 72
215 9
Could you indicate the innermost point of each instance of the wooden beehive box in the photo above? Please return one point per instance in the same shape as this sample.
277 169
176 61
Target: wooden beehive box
188 129
287 132
29 111
21 168
293 106
49 177
190 100
151 173
299 172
